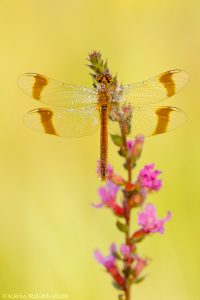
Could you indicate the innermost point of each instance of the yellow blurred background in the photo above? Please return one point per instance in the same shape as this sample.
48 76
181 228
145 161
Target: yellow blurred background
48 229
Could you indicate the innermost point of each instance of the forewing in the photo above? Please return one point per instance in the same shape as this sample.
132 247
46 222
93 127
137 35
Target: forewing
56 93
149 121
155 89
64 122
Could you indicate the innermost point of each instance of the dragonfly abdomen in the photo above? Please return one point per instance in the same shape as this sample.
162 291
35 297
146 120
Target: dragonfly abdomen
104 141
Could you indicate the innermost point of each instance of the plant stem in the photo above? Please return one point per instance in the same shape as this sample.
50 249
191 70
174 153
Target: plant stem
127 241
127 209
127 235
128 163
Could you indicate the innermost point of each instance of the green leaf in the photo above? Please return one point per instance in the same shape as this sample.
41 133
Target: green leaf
116 286
140 279
136 240
117 139
123 152
127 272
117 255
138 236
121 226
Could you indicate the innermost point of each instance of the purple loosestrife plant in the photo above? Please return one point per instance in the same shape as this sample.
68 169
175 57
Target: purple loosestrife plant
122 195
123 263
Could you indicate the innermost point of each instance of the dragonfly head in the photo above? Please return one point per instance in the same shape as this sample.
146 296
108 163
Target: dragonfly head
104 78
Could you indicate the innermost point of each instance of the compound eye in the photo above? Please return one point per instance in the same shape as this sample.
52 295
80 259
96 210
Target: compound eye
108 78
99 78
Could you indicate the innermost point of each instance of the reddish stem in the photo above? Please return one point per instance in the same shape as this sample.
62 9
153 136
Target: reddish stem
127 209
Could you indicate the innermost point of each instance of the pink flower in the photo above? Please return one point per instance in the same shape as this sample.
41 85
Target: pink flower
109 171
108 193
135 146
109 262
140 265
149 222
110 174
130 144
108 196
147 178
125 250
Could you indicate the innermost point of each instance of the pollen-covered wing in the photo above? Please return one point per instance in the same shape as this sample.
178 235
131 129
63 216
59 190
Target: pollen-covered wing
52 92
64 122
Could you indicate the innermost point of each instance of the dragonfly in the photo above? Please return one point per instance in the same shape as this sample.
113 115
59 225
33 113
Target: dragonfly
77 111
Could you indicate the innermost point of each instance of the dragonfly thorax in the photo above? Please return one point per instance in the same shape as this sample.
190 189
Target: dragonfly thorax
104 97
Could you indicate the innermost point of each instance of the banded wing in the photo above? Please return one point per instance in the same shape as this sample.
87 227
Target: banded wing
56 93
64 122
155 89
149 121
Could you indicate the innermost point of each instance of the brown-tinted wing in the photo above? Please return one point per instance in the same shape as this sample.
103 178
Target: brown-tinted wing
149 121
64 122
155 89
56 93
